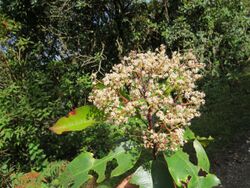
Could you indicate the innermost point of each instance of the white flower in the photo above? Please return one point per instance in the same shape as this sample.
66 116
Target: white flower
152 84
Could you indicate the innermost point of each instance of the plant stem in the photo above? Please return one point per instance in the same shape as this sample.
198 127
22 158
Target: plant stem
150 119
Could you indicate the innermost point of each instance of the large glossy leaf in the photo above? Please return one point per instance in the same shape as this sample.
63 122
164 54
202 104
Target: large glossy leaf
160 174
201 155
78 119
181 168
77 172
183 171
156 176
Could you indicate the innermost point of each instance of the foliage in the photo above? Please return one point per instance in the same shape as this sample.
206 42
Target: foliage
145 79
32 95
77 172
216 30
48 49
78 119
5 173
155 173
226 113
47 178
188 174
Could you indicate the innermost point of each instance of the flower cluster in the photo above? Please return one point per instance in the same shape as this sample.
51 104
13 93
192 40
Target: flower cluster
159 89
161 141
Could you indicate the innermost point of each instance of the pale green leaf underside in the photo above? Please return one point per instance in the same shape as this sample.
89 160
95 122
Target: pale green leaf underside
142 177
156 176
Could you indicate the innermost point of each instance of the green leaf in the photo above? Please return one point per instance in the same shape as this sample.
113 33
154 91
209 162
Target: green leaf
77 172
78 119
189 134
142 177
104 186
169 89
125 160
201 155
160 174
124 93
205 182
183 171
100 86
156 176
205 140
181 168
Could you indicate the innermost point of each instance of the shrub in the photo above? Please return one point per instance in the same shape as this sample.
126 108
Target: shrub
159 94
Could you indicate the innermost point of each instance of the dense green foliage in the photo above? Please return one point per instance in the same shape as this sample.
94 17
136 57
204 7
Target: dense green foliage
30 95
227 111
154 172
48 49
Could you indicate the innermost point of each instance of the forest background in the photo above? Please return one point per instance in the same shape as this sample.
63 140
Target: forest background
48 50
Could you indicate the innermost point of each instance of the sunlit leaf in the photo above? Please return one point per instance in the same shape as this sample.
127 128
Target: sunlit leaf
185 172
78 119
201 155
208 181
77 172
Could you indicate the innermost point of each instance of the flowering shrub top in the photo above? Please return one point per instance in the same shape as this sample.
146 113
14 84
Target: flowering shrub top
161 92
158 89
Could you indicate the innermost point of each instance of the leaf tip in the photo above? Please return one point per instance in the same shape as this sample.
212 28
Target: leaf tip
55 130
